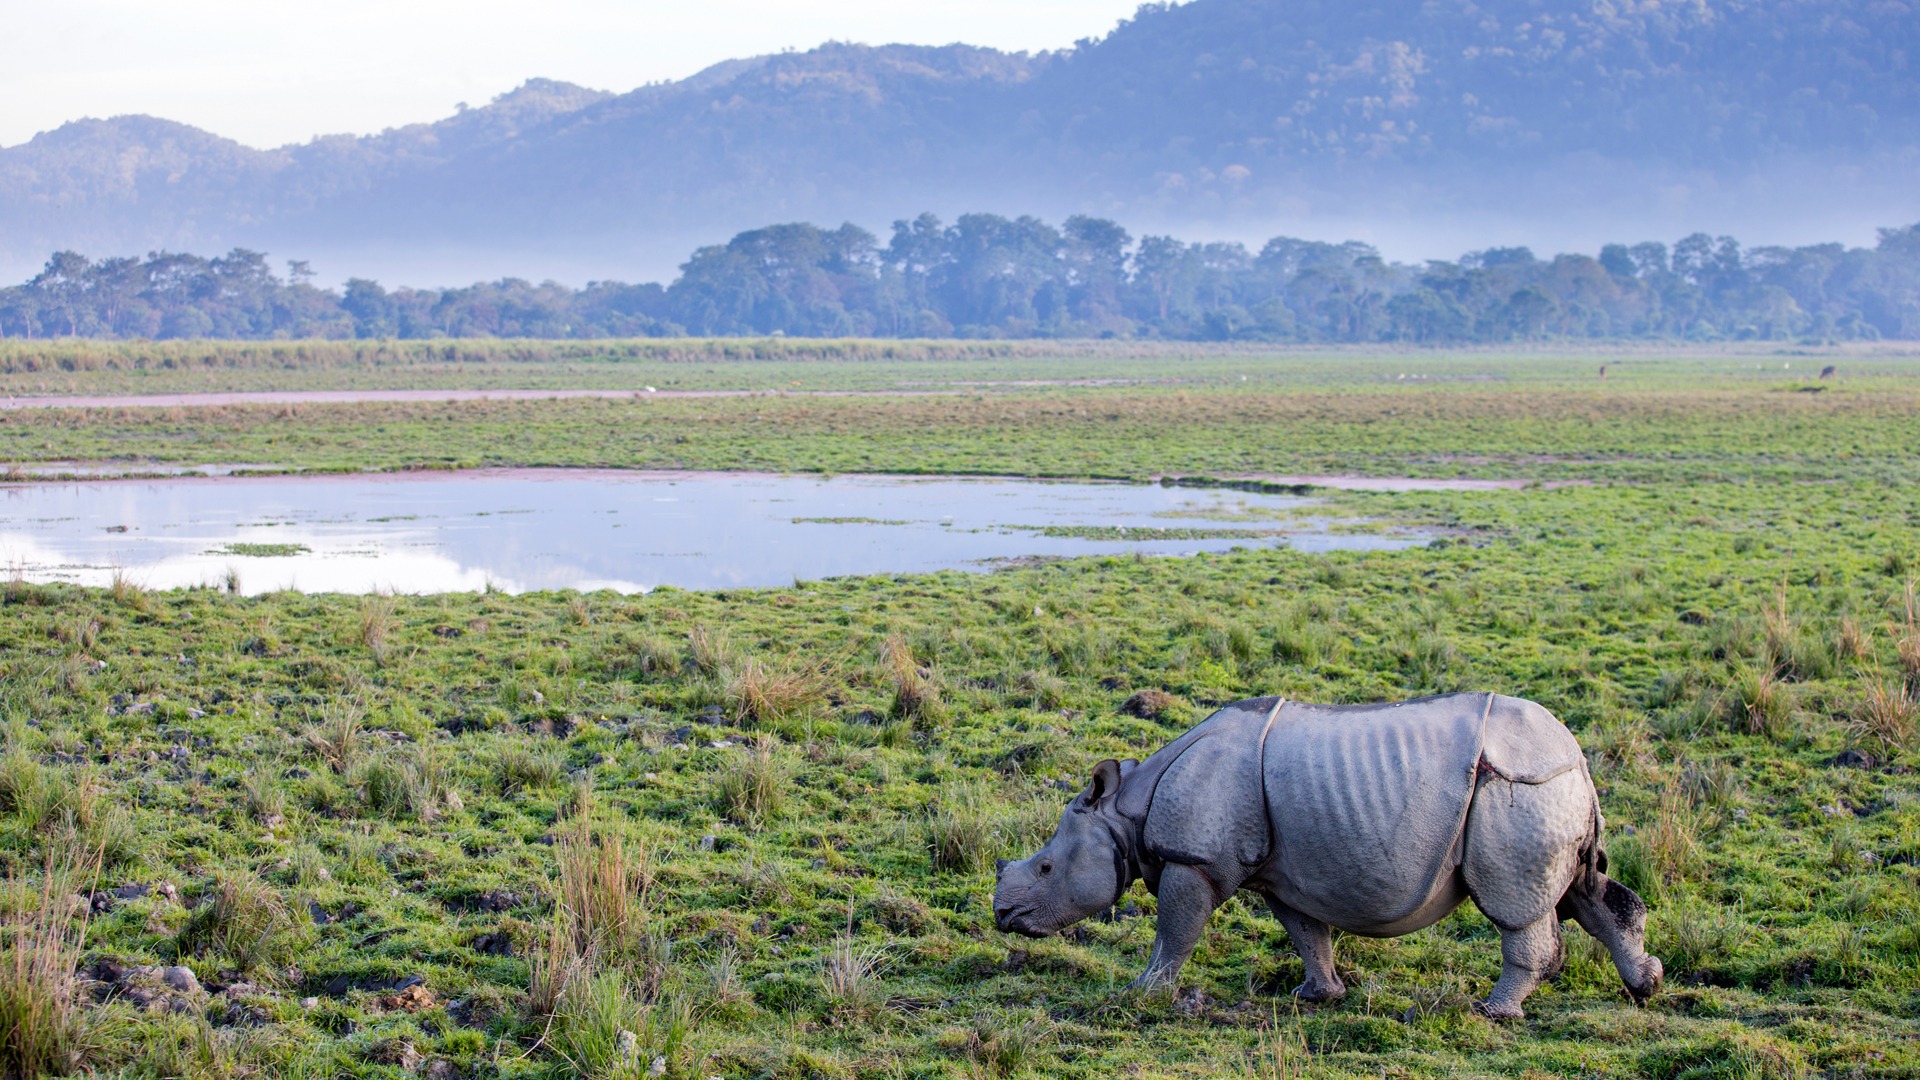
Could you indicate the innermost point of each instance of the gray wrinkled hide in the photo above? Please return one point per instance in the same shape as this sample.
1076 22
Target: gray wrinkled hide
1374 819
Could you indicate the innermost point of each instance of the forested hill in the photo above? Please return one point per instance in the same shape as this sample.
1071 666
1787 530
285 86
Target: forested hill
1243 115
989 276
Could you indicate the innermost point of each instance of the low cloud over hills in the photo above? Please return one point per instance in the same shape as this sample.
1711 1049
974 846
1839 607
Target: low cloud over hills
1555 122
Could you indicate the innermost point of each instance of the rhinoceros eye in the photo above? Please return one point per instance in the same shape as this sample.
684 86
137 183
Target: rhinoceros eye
1046 868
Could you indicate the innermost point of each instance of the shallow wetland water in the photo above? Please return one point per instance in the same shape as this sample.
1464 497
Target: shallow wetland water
519 530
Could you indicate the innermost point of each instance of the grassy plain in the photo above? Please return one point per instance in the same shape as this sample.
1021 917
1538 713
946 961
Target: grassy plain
755 829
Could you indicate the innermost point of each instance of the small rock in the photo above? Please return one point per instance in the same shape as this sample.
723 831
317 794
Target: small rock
454 805
180 978
439 1069
819 864
707 842
195 714
658 1068
537 697
309 1002
652 778
413 999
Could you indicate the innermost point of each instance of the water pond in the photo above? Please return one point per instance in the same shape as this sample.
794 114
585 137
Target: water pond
518 530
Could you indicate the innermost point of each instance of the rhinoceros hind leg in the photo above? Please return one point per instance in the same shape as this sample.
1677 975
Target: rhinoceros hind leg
1617 917
1529 956
1186 898
1313 940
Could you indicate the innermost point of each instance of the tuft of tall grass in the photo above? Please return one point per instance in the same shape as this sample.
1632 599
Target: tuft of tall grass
603 883
1003 1046
707 652
1794 652
378 620
1694 938
1663 853
1282 1053
69 814
241 919
1852 642
409 781
525 768
1887 714
756 694
753 786
1906 639
128 593
963 834
916 696
45 1030
336 738
602 1030
851 980
1758 702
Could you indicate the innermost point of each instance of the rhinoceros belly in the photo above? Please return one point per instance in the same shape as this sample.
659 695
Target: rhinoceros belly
1367 804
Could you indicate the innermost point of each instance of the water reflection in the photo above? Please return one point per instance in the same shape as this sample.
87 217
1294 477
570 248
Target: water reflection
548 529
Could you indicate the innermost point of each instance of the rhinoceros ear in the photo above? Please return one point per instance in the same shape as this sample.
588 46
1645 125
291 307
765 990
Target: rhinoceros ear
1106 780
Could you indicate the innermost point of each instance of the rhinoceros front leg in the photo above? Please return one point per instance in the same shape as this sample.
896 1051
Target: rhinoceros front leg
1186 899
1313 940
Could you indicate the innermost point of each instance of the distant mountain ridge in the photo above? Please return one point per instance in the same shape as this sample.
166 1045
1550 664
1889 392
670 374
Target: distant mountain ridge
1227 115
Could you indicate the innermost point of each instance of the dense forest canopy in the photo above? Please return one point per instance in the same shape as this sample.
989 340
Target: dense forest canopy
991 276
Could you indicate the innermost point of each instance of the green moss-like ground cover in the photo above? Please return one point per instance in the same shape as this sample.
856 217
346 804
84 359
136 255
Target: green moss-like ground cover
809 784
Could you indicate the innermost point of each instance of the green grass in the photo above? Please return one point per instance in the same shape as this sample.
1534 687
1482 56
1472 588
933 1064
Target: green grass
260 551
750 833
1655 418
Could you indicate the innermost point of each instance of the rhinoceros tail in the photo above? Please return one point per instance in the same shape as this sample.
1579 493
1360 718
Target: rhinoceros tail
1593 856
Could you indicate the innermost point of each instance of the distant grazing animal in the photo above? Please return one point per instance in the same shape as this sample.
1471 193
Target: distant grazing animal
1828 372
1603 371
1373 819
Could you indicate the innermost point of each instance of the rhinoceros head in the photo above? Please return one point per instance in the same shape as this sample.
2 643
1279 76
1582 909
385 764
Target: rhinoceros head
1081 871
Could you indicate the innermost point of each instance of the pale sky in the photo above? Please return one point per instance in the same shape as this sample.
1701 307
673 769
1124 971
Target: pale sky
270 72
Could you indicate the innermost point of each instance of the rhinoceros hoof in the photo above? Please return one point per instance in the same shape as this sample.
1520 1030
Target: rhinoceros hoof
1319 994
1498 1012
1652 975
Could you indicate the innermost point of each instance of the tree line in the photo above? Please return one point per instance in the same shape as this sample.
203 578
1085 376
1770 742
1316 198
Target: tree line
988 276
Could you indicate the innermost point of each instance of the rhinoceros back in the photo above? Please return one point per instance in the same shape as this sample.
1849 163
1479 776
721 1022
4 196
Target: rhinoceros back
1368 803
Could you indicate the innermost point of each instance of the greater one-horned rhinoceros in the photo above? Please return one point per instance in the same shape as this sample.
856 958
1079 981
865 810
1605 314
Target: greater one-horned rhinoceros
1376 819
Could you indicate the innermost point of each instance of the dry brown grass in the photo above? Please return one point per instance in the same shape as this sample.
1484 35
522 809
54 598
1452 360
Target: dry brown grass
336 739
603 883
45 1030
1906 639
759 694
378 621
1853 642
1887 714
916 696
